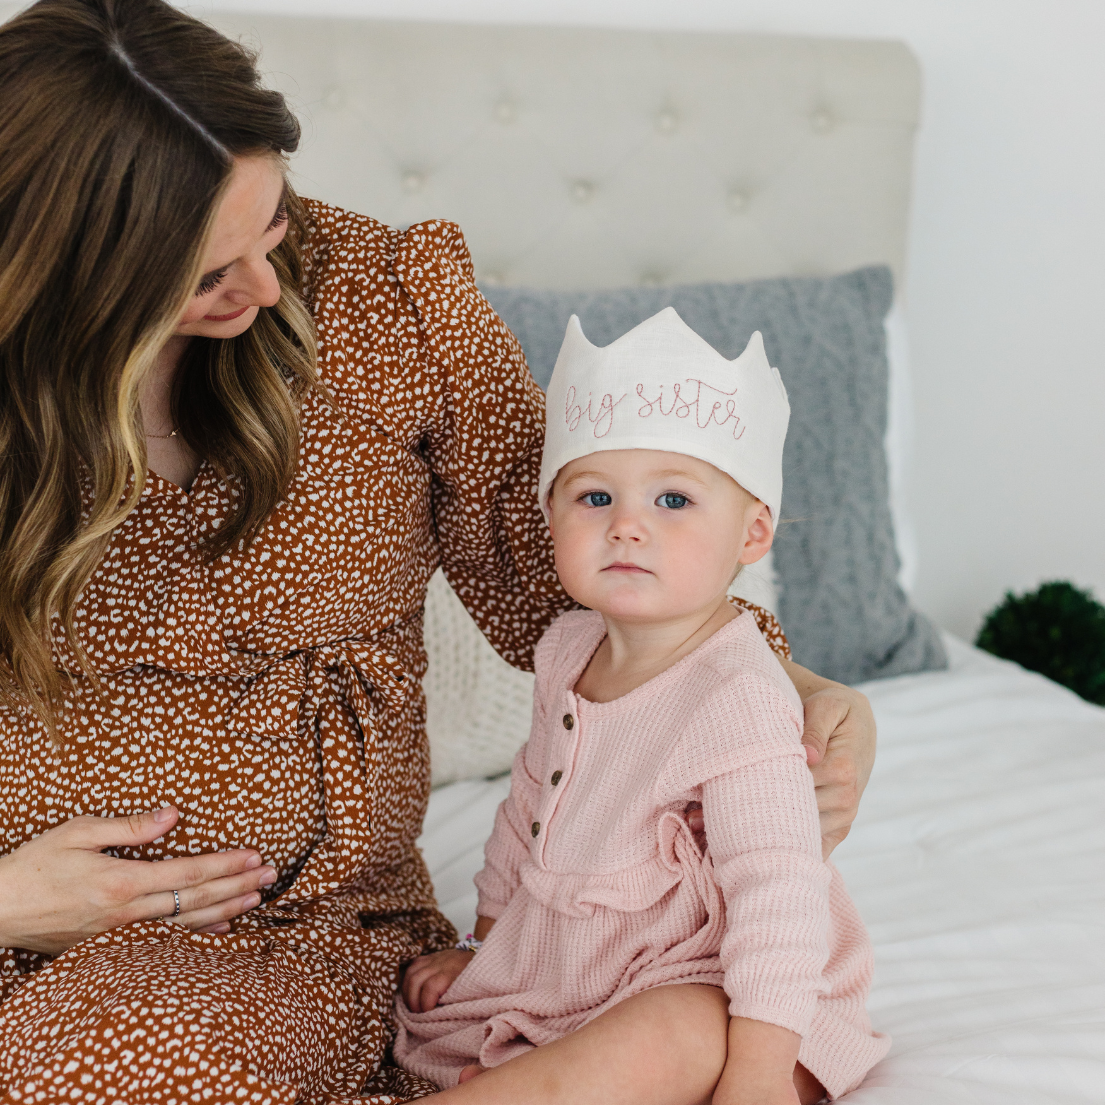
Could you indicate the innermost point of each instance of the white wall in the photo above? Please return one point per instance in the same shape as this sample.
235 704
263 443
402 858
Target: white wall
1005 282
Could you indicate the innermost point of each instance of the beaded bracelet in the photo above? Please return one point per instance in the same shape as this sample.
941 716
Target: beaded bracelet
469 944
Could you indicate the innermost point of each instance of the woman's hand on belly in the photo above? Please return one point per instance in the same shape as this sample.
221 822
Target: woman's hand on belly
60 889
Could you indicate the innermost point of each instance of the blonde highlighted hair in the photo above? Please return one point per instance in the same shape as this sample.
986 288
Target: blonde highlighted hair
119 124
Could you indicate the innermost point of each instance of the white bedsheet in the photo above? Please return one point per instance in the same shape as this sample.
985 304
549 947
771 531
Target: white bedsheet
978 863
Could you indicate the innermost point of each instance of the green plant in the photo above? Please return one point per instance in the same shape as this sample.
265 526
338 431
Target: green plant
1057 630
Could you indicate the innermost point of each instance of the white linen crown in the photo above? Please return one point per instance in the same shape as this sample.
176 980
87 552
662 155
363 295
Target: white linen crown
661 386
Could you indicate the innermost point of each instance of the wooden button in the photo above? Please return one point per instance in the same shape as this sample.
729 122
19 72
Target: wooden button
556 777
569 721
535 828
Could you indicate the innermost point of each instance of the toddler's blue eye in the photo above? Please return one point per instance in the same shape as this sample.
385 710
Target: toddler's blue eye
673 500
597 498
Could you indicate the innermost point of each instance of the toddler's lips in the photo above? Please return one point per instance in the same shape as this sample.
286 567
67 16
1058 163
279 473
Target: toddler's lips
626 568
226 318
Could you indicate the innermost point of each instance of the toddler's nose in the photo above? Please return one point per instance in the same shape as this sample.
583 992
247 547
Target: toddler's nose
626 527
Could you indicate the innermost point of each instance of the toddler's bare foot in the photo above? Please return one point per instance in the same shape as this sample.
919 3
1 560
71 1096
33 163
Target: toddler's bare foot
470 1072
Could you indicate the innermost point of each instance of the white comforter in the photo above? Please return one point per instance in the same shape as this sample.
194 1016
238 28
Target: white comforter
978 863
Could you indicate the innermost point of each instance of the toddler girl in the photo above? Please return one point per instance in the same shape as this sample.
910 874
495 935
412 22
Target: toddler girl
661 477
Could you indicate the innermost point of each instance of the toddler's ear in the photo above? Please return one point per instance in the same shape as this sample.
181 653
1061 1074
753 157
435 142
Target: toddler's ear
758 535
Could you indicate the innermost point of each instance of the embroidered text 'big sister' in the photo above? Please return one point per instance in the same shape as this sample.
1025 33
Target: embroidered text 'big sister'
661 386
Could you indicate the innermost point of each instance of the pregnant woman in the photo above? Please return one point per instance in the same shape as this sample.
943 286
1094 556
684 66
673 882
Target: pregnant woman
238 433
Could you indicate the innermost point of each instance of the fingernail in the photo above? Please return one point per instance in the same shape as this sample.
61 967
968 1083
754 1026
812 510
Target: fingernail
253 900
269 876
163 814
253 861
221 928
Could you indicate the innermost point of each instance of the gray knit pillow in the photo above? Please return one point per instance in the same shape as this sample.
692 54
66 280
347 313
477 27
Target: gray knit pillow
839 599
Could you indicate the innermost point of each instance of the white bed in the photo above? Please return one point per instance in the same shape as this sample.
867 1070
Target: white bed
978 858
978 863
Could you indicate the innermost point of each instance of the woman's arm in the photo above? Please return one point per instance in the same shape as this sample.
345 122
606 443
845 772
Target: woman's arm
483 443
60 888
839 736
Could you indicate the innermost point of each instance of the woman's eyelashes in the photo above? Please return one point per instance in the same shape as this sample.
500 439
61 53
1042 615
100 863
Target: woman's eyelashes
211 281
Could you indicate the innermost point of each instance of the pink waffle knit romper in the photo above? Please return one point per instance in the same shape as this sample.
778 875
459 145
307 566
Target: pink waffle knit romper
599 891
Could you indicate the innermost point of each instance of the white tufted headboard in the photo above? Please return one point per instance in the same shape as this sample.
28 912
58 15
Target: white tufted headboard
594 158
580 158
588 159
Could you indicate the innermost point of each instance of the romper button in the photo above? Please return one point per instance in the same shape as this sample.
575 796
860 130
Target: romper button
535 828
569 721
556 777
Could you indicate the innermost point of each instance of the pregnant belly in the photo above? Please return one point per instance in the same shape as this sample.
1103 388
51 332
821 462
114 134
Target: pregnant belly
151 739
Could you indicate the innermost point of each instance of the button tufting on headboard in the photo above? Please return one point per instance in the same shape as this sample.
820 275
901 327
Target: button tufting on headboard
583 191
667 121
582 157
334 98
738 200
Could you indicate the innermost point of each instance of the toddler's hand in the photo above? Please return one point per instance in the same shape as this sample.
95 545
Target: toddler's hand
774 1091
429 976
761 1067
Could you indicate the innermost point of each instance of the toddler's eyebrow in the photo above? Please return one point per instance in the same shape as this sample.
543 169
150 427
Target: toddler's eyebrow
678 474
575 477
664 474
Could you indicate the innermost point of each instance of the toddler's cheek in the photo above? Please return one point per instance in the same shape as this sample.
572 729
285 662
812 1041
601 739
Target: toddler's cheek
573 554
700 567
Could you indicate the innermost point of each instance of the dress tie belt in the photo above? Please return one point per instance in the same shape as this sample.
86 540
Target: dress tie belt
293 685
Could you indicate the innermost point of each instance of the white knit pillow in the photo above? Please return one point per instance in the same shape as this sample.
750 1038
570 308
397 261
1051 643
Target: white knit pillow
478 707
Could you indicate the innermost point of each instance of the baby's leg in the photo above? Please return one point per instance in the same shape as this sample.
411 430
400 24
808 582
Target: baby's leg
665 1046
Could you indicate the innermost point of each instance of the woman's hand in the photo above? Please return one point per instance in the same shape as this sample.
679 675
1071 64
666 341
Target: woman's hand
429 976
839 736
60 889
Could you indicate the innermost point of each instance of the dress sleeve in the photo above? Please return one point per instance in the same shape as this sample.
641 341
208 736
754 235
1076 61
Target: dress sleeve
765 845
483 448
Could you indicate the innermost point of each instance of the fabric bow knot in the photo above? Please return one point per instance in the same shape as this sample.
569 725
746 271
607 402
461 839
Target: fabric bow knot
290 686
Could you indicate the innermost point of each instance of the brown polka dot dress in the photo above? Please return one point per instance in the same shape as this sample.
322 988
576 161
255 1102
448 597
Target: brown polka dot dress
274 698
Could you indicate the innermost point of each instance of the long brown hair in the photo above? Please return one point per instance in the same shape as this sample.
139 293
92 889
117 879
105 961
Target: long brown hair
119 124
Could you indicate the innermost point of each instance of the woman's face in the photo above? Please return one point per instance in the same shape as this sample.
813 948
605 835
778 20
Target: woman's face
238 277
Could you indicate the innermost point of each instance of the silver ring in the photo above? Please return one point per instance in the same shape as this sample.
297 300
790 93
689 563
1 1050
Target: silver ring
176 900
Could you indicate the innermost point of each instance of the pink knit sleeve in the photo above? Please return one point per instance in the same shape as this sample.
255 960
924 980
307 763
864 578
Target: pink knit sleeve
741 753
508 846
765 844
